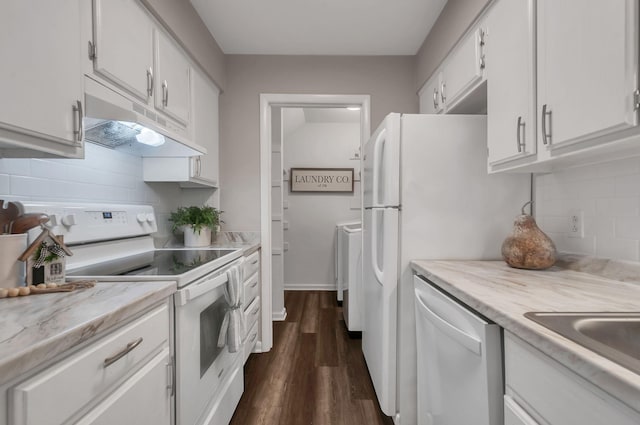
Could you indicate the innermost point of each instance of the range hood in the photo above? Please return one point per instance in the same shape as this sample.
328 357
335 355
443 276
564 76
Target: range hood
114 121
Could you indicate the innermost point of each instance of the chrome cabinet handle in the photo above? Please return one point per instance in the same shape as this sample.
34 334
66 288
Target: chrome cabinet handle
254 284
435 98
519 131
150 82
126 350
546 137
220 374
78 114
254 312
442 94
482 43
165 93
198 166
253 337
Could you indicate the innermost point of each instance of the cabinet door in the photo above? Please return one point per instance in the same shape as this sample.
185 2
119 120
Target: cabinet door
463 70
144 399
41 75
123 38
587 68
511 85
172 81
430 102
205 127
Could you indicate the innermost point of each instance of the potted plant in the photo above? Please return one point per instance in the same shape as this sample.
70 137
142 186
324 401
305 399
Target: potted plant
197 224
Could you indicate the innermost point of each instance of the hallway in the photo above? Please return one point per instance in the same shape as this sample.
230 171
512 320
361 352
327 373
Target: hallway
314 374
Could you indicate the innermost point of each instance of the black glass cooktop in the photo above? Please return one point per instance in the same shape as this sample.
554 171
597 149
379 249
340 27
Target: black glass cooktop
153 263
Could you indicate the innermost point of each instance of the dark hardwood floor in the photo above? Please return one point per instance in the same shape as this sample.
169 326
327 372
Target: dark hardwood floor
314 374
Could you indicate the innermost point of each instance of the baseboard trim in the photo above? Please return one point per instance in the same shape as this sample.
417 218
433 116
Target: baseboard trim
279 316
310 287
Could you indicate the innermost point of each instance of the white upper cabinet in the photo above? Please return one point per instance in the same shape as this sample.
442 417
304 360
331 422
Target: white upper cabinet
123 43
510 51
430 102
134 54
452 89
464 68
172 80
41 79
197 171
205 128
587 70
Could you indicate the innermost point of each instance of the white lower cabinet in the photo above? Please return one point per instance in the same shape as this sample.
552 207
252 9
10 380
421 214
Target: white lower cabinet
251 301
514 414
541 390
123 377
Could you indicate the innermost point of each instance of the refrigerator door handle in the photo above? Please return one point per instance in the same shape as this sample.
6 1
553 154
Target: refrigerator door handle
377 271
377 165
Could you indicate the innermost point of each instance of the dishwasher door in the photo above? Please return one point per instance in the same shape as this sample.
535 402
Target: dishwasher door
459 362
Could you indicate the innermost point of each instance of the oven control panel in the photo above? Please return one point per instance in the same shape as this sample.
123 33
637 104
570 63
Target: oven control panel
83 222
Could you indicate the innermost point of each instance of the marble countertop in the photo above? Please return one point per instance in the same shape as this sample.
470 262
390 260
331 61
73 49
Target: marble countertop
248 242
503 294
36 328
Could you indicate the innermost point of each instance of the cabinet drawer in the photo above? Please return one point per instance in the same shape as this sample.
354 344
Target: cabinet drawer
147 387
251 288
252 313
514 414
59 392
549 391
251 264
250 341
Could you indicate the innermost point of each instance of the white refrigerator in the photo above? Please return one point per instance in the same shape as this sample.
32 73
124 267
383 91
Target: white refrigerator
426 195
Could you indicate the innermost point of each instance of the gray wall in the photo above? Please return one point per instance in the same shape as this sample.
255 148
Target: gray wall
452 23
388 79
185 25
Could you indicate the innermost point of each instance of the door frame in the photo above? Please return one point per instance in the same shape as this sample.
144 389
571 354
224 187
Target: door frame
267 101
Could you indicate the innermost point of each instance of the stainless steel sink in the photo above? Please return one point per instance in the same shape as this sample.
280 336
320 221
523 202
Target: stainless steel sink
615 336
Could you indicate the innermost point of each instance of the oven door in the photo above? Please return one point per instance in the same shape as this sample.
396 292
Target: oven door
201 366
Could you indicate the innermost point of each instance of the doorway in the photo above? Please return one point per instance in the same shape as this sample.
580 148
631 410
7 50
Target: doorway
270 105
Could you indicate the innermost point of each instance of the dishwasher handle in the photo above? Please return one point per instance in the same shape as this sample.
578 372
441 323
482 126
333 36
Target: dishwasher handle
470 342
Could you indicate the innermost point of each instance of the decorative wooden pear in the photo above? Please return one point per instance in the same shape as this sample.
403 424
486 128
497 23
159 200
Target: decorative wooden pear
528 247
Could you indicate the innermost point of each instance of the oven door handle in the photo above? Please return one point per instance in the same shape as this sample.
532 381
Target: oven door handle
194 291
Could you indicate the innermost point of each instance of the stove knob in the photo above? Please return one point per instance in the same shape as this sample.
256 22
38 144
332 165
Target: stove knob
69 220
150 218
141 217
53 221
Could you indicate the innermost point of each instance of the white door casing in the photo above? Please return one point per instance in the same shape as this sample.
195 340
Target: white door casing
267 101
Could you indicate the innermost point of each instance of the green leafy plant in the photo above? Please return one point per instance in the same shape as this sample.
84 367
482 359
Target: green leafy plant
195 217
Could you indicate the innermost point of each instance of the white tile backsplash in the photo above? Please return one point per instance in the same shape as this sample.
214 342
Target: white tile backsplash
609 196
104 175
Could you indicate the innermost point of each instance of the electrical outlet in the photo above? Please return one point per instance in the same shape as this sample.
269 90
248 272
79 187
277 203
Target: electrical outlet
576 224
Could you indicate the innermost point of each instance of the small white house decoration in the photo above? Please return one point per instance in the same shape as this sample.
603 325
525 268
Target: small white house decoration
46 259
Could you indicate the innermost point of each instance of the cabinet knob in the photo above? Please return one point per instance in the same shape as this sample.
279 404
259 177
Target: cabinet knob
69 220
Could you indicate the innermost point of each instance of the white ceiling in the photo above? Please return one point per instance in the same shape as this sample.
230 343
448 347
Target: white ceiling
319 27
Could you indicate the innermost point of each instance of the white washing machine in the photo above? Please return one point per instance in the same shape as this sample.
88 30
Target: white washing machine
349 265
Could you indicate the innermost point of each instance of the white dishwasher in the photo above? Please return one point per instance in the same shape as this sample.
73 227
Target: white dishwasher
459 362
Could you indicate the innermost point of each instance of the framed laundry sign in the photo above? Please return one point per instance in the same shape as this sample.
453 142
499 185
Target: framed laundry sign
321 180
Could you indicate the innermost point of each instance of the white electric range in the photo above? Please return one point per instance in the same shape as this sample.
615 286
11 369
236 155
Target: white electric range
114 243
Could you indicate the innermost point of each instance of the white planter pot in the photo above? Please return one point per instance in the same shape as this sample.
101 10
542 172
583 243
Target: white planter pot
195 239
